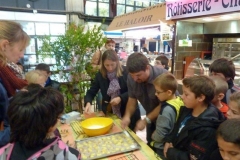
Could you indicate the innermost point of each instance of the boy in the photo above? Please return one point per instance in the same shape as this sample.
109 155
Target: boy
193 136
224 68
165 86
221 88
234 106
45 69
232 113
162 61
228 139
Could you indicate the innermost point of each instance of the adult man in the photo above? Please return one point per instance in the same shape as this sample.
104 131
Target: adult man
140 88
45 69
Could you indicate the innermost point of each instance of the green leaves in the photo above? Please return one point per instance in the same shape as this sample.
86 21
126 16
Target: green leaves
72 52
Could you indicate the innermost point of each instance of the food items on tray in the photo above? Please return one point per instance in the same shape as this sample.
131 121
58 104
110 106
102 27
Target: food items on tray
103 146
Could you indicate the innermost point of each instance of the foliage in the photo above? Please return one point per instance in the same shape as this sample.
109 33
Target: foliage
72 52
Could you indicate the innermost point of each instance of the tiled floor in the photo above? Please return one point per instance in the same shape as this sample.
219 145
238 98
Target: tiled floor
142 134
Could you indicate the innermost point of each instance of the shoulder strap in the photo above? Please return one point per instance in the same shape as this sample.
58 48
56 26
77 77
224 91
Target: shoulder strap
6 151
176 104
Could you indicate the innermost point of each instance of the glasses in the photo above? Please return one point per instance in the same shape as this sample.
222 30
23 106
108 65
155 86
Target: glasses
159 92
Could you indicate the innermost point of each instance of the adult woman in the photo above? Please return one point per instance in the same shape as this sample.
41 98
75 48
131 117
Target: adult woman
93 67
112 82
34 116
13 41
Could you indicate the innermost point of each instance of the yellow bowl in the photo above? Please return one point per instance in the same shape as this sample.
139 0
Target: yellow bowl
96 126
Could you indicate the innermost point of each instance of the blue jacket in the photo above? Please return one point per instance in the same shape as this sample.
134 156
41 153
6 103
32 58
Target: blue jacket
4 102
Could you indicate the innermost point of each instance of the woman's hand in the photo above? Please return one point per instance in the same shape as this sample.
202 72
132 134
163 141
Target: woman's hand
115 101
88 108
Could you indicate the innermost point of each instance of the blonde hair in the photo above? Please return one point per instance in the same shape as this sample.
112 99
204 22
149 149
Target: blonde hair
13 32
33 76
110 55
166 81
235 97
221 85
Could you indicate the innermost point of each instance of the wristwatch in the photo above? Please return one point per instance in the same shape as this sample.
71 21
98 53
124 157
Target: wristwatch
148 120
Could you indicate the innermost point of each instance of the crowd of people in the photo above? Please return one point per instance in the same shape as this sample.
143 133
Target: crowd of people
179 127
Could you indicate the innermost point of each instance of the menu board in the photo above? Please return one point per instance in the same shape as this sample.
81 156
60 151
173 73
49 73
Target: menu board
106 145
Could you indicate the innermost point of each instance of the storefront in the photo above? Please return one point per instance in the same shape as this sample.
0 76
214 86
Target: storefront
143 26
202 27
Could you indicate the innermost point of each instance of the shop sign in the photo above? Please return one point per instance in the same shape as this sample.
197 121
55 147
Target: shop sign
185 8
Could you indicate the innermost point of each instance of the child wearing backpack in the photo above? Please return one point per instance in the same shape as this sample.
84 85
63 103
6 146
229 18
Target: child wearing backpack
165 86
34 116
193 136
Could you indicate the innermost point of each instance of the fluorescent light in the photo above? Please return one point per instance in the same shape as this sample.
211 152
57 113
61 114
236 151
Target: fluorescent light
225 17
208 19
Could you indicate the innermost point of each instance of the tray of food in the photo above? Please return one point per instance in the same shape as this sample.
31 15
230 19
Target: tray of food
106 145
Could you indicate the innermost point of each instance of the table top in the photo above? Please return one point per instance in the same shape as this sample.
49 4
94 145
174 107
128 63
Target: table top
69 136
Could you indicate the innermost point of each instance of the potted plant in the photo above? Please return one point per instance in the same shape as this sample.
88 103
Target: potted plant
72 51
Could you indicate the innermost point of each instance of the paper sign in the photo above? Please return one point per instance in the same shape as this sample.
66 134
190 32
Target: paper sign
185 43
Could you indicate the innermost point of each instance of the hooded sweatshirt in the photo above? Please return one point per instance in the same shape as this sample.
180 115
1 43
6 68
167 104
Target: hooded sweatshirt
194 138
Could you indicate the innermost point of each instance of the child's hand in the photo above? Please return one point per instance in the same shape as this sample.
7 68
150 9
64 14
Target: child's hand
166 147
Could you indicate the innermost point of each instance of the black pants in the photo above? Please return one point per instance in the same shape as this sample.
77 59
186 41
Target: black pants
160 153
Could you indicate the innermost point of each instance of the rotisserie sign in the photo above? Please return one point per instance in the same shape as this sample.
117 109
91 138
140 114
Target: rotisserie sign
185 8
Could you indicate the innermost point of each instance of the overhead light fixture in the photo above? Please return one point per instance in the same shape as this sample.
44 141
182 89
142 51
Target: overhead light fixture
208 19
226 17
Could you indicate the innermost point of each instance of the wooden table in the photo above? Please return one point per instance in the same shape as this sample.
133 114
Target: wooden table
144 153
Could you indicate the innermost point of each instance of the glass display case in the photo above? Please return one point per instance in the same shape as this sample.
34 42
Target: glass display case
222 48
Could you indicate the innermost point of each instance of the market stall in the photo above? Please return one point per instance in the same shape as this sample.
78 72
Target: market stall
145 26
206 30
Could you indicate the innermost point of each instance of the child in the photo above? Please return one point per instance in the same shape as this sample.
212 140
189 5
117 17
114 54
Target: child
36 77
234 106
232 113
162 61
165 86
34 116
193 136
228 138
224 68
221 88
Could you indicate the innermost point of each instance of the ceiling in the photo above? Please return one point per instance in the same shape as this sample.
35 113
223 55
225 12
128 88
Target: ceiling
223 17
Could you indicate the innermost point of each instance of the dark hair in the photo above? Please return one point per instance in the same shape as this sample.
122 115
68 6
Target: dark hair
164 60
137 62
201 85
110 55
31 114
43 67
229 131
166 81
224 66
145 49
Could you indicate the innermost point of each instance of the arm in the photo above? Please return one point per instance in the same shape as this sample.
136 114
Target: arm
130 109
164 125
154 114
92 91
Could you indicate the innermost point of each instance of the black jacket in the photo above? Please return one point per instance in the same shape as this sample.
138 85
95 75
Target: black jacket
52 83
103 83
197 140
